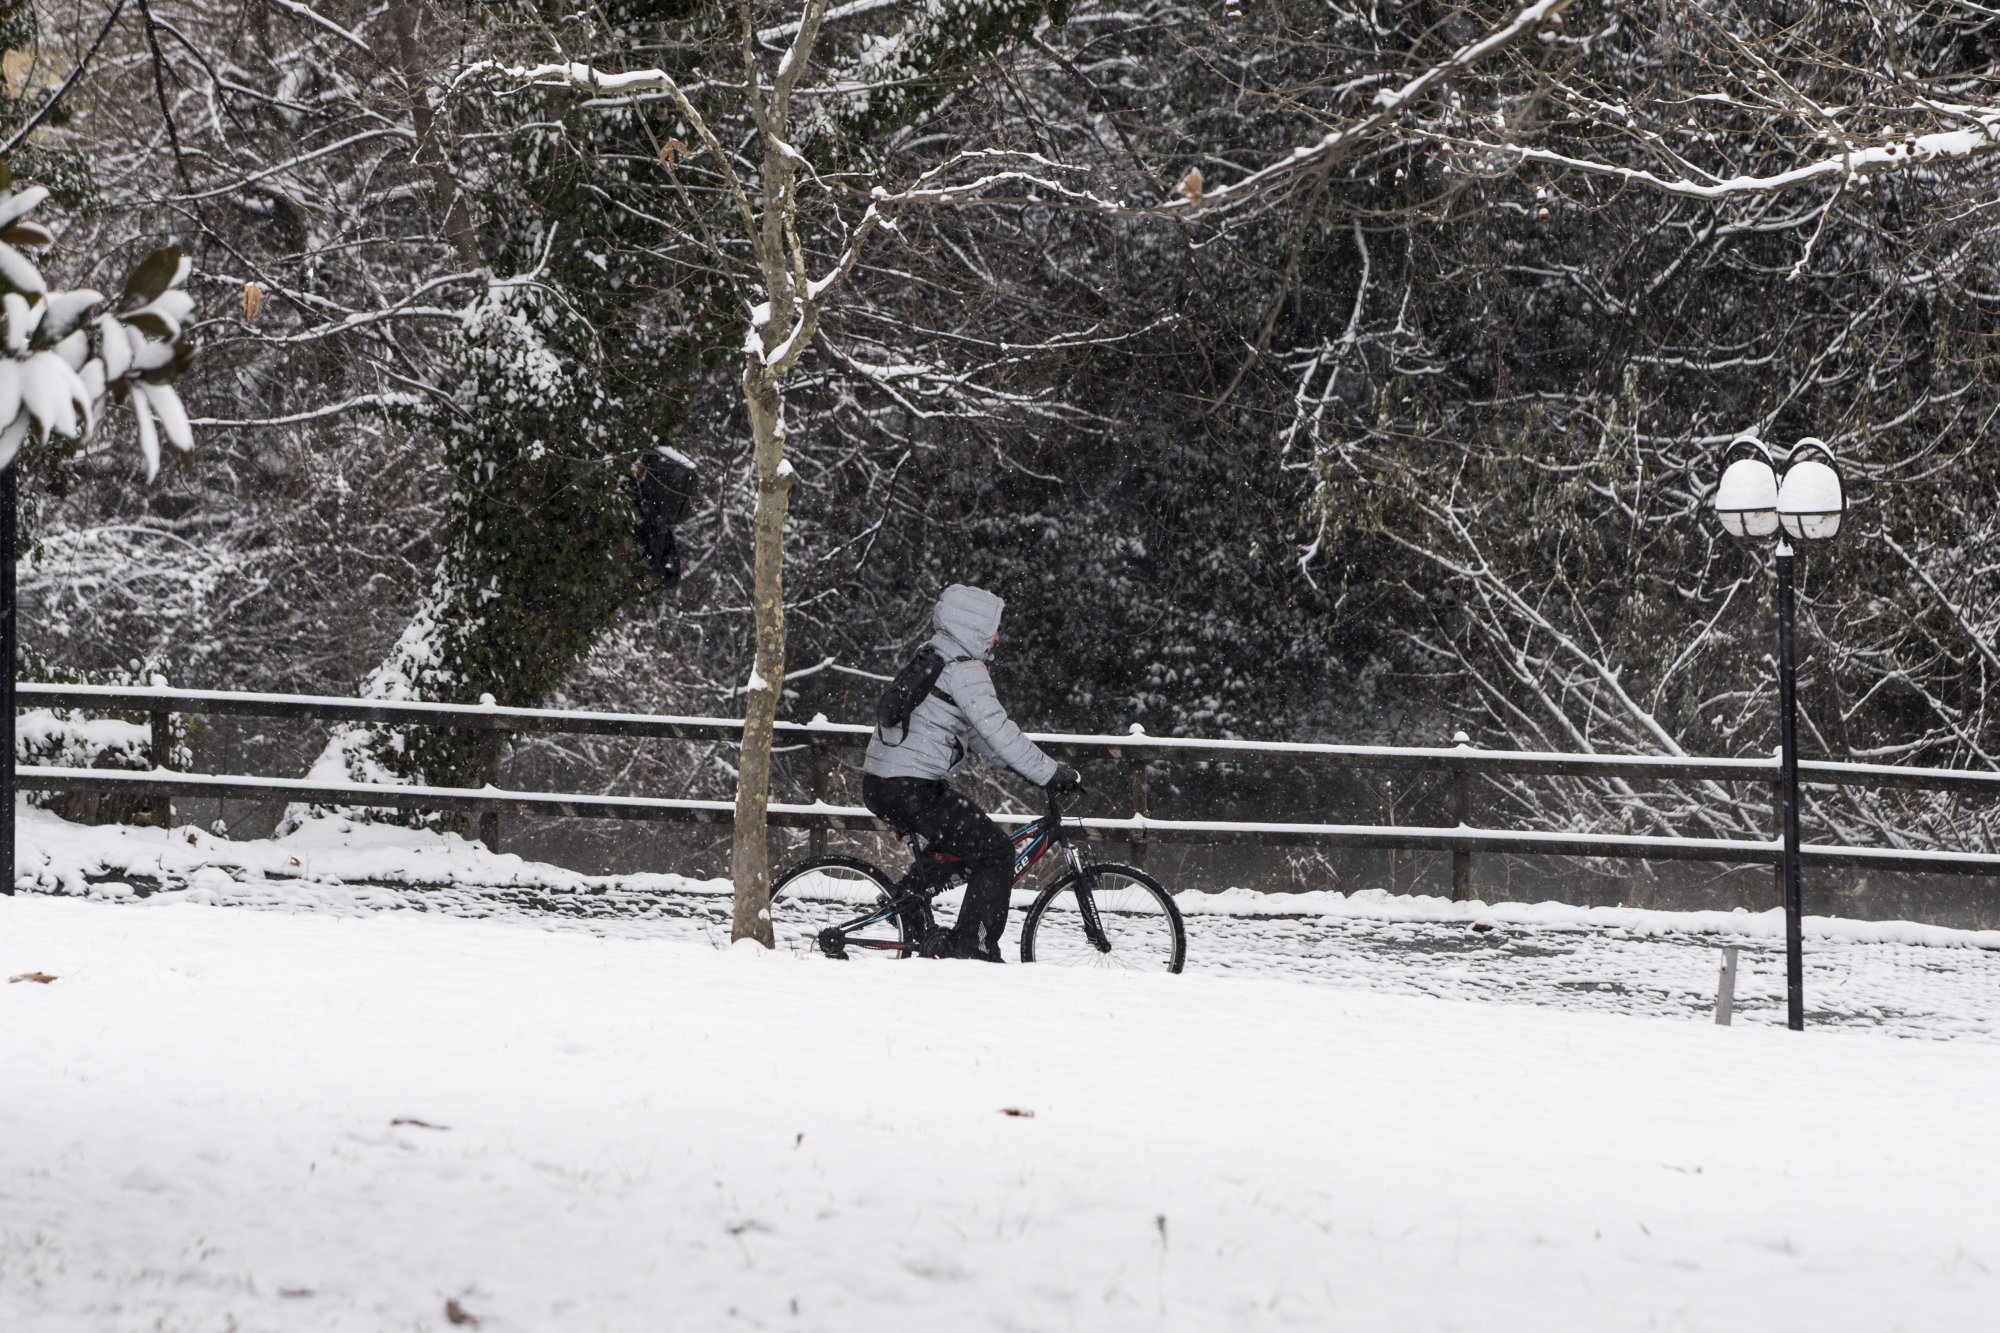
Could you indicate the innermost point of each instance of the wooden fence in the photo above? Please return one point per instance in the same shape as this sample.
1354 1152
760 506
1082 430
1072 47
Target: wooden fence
1460 765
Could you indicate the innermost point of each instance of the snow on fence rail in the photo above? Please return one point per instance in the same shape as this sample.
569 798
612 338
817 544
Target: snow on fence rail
1461 763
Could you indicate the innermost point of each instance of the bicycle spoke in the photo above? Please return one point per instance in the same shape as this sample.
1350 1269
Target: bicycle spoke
1134 929
818 896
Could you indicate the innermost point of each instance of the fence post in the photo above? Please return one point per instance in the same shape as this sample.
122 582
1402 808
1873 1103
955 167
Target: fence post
1136 769
1725 989
1461 815
163 757
821 779
492 746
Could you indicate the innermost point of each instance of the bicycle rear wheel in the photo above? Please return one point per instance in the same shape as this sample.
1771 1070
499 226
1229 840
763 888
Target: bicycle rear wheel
843 892
1106 915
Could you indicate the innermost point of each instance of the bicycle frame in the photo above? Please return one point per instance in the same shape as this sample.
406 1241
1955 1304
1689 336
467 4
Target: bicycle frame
1031 843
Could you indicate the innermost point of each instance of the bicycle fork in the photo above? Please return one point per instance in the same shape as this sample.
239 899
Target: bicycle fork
1087 905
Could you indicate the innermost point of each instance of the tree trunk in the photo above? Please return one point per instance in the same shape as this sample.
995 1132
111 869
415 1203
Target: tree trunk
750 866
403 17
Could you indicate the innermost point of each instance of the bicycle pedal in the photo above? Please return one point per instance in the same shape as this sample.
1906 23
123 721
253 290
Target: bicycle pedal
832 943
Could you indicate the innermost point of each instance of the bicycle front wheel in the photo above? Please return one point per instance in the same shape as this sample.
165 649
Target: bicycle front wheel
1105 915
843 893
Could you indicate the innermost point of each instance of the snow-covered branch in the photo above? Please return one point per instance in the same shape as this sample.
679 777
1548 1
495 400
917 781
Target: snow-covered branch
1846 167
590 79
1387 105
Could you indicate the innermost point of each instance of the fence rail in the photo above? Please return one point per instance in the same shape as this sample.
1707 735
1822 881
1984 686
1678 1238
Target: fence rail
1460 763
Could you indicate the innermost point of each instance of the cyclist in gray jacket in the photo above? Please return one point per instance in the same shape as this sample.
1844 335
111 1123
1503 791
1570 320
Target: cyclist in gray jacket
906 782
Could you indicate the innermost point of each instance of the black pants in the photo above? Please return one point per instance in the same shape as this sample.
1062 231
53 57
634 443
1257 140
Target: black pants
950 823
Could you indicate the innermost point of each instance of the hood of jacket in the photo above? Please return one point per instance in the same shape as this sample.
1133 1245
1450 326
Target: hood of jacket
969 617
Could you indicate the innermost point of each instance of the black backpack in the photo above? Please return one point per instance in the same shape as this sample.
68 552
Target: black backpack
901 695
667 484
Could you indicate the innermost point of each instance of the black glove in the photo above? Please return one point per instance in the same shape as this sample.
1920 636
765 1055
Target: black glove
1066 783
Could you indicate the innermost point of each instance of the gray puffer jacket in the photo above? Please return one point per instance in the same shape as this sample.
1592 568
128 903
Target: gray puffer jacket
966 620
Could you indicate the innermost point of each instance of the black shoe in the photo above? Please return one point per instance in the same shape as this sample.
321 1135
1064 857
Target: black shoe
942 943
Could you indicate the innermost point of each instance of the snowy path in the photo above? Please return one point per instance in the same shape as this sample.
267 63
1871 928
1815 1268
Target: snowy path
1639 963
300 1121
1905 979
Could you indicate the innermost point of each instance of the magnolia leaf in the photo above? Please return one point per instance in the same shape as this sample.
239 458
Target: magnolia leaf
28 233
45 394
74 350
151 279
114 347
148 354
92 375
10 390
18 274
10 440
166 405
17 206
149 438
154 323
22 321
66 312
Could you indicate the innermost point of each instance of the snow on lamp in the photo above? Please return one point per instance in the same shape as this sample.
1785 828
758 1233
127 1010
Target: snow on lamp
1811 498
1746 499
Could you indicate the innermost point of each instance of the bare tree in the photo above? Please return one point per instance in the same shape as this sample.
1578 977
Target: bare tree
777 242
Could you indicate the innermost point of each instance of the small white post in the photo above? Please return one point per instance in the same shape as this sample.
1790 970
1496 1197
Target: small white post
1725 990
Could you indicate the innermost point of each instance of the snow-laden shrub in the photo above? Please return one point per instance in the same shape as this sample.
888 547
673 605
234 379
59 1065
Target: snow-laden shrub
63 356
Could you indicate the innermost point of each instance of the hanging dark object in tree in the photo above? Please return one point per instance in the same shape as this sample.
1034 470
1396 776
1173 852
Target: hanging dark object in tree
665 480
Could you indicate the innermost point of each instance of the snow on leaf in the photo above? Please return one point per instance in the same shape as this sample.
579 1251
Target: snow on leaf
22 320
166 404
74 349
116 349
49 389
147 353
149 437
19 274
17 206
68 310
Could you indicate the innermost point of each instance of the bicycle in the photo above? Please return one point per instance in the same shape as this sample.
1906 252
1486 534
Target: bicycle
1096 913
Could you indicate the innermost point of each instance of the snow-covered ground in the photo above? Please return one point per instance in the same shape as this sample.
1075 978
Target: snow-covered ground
1897 977
255 1120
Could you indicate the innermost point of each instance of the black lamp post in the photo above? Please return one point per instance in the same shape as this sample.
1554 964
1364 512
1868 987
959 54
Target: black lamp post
1803 502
